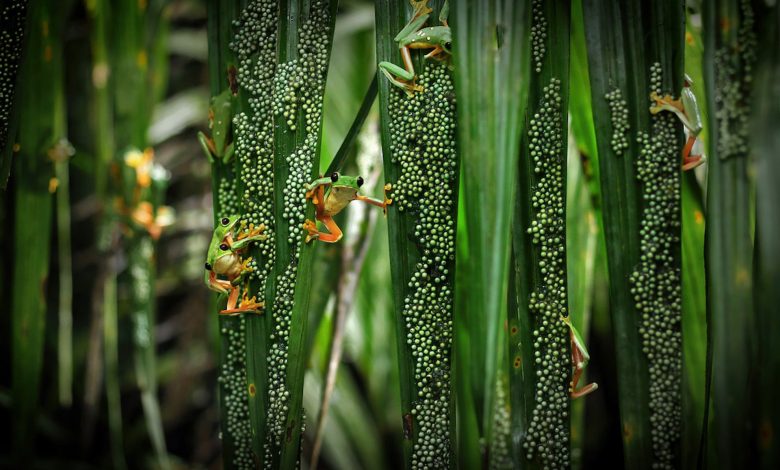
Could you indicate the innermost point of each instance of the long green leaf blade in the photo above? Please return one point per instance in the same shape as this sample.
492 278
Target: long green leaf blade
491 70
729 60
42 73
635 48
421 164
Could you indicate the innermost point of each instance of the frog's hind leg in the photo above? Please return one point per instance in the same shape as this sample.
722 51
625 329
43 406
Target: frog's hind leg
434 54
691 161
247 305
577 362
332 237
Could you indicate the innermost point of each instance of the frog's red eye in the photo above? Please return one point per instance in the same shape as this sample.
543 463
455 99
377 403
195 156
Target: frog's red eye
208 267
334 177
223 247
360 181
225 221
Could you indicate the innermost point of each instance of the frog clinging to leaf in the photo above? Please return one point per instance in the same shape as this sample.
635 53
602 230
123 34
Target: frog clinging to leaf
224 260
341 190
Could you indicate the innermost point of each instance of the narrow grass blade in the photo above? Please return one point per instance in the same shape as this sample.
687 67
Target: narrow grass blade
421 163
491 46
349 140
65 298
729 61
135 57
694 320
111 358
42 75
353 258
12 26
634 48
765 122
581 237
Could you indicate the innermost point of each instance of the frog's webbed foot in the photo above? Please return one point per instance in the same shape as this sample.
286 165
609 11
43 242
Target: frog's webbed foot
665 102
420 7
254 233
311 227
243 269
388 201
247 305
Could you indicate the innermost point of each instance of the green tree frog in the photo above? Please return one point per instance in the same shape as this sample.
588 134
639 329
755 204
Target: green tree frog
414 36
224 259
579 360
341 191
687 109
219 145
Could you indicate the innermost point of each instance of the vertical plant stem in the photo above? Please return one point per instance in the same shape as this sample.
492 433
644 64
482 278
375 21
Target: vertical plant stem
139 33
42 75
729 61
111 355
65 298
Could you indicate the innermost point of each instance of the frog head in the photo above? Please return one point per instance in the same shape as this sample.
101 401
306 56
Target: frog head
345 187
224 226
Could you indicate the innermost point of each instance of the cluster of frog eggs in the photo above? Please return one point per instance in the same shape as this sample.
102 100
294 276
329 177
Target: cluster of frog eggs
733 83
226 195
233 387
422 133
655 283
12 18
618 109
298 88
500 451
538 33
548 431
255 48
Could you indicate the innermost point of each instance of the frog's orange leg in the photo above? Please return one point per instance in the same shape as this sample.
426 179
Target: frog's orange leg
435 52
690 161
577 359
223 287
332 237
665 102
246 305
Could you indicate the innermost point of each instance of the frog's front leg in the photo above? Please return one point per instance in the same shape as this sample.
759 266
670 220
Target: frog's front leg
246 236
377 202
316 190
400 77
208 146
243 269
667 103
